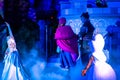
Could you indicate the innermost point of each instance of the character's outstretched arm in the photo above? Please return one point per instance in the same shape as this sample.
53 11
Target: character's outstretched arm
88 65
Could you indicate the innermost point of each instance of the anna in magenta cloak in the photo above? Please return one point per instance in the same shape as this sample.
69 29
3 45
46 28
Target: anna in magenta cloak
66 39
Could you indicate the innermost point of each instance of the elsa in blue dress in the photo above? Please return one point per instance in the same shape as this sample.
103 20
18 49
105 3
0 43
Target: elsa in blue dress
97 67
13 69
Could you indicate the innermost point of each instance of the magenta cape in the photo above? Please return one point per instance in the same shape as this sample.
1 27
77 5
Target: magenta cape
67 40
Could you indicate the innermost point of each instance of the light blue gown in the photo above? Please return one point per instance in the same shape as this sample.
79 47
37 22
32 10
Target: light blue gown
13 68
